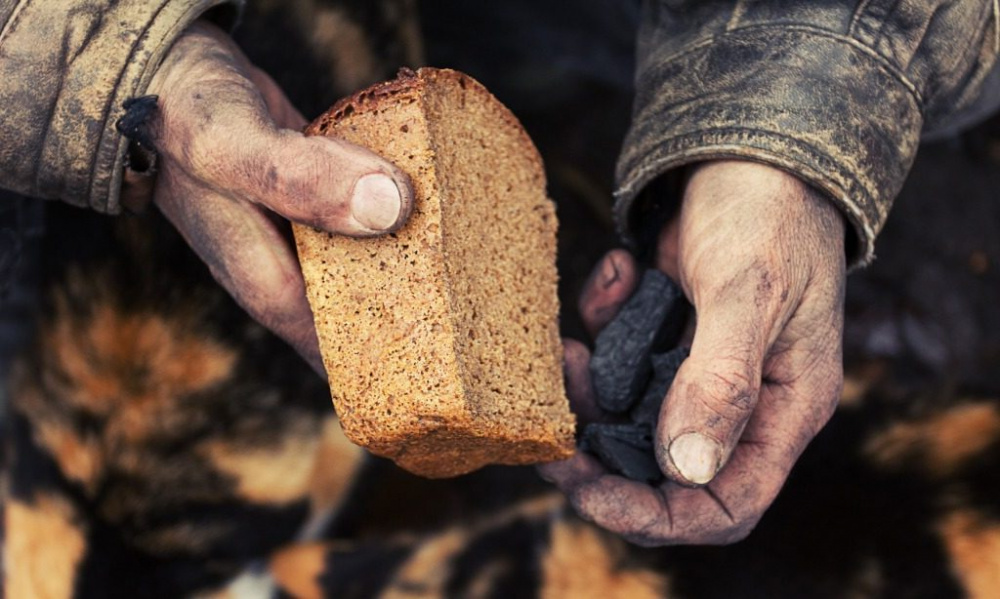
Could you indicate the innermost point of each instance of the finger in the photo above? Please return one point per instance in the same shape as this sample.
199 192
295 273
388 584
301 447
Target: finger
727 509
609 286
227 141
576 368
640 513
787 418
249 257
334 186
570 474
722 512
215 124
716 389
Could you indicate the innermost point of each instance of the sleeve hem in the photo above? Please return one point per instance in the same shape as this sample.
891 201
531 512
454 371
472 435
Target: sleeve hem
815 168
143 61
67 69
808 103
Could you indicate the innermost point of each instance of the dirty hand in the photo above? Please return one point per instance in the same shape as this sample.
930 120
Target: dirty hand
233 167
761 257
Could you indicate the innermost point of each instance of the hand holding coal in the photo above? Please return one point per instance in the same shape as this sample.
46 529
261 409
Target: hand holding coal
762 257
651 318
628 377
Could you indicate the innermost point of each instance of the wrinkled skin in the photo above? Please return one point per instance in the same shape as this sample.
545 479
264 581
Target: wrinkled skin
758 254
761 257
234 169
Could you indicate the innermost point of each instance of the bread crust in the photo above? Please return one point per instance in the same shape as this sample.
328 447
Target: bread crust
386 309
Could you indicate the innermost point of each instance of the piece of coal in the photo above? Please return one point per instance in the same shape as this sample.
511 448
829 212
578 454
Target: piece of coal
626 449
620 366
665 366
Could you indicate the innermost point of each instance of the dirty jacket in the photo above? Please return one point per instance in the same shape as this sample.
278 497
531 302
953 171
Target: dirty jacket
836 92
66 68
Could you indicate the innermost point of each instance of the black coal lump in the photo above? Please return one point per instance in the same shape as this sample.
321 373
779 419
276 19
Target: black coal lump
665 366
625 449
620 366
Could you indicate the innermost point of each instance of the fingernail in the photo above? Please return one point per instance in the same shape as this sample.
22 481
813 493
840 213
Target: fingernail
609 273
376 202
696 457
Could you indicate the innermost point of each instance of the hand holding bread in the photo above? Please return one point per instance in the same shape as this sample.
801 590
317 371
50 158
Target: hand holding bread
417 385
441 341
234 167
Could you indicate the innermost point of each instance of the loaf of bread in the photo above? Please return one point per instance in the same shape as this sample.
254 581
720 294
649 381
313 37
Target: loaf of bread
441 341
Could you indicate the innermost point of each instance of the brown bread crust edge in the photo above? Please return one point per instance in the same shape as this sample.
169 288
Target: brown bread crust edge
451 445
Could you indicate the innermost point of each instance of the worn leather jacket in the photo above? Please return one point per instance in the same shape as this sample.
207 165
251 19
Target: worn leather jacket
66 69
834 91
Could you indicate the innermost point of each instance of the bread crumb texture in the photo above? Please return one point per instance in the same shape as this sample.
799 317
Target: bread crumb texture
441 340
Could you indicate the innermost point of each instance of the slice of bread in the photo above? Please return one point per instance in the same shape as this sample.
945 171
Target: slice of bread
441 341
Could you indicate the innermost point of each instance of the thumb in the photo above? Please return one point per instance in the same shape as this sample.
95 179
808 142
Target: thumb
322 182
216 125
713 395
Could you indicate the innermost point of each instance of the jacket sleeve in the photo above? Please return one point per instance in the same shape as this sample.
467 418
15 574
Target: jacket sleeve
835 92
66 68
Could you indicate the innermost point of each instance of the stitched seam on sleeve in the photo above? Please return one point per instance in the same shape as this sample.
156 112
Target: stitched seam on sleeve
739 11
641 171
878 59
12 22
654 164
856 18
109 136
976 47
108 107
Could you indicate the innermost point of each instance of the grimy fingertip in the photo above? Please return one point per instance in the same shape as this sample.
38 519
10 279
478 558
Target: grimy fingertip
609 285
377 202
696 457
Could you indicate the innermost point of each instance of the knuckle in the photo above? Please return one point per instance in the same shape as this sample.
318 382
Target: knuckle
760 284
219 156
822 413
297 178
294 170
225 155
622 509
766 281
734 387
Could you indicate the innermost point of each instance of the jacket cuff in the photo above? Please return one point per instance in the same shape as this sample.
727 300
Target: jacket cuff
66 69
818 105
